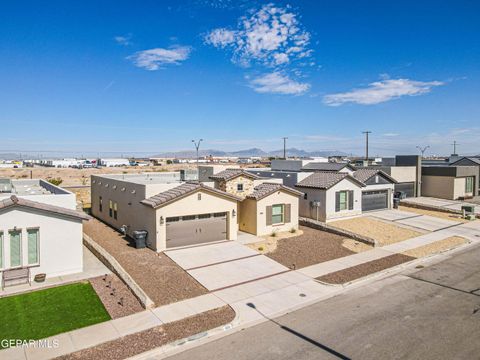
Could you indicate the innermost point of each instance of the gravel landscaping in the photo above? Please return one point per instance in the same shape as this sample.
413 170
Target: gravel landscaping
359 271
161 278
116 296
312 247
438 214
384 233
436 247
149 339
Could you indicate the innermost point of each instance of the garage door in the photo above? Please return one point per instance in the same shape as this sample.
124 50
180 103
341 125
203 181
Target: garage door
196 229
407 188
374 200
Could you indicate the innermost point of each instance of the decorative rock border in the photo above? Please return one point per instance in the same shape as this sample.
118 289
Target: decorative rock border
110 262
325 227
433 208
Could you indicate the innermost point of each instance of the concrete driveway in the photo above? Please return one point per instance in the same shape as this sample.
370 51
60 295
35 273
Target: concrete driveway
424 222
225 264
442 203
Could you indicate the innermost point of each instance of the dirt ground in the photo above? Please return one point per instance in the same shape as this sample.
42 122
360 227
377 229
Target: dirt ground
384 233
161 278
439 214
312 247
269 243
359 271
140 342
436 247
115 296
76 177
356 246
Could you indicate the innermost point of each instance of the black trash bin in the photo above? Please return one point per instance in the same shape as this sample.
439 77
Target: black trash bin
396 202
140 237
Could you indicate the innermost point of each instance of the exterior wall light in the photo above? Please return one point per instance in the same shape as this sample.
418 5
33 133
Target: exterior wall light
161 220
234 213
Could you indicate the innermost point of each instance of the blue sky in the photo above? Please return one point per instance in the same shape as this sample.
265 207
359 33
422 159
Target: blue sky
149 76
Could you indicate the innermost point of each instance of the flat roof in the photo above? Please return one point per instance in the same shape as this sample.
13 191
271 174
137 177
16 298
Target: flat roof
145 178
26 187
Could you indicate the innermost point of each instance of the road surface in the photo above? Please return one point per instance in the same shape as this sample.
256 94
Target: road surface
431 313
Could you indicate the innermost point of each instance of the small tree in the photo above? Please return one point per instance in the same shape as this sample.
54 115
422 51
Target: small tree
169 162
55 181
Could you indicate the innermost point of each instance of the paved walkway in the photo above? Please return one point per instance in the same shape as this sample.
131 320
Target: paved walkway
92 267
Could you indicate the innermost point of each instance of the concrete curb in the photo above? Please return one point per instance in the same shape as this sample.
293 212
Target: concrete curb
433 208
110 262
331 229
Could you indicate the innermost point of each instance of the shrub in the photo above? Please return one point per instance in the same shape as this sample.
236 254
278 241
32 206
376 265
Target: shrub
55 181
273 234
260 248
293 230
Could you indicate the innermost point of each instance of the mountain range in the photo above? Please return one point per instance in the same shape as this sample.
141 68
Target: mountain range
253 152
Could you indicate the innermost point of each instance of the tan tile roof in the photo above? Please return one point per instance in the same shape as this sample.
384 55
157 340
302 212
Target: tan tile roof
265 189
230 174
182 191
365 174
325 180
18 201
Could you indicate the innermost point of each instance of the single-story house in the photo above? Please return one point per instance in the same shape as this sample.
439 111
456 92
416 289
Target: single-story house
329 166
38 237
378 191
470 161
330 195
266 206
173 213
449 182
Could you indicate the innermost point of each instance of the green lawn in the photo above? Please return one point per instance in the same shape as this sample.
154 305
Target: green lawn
48 312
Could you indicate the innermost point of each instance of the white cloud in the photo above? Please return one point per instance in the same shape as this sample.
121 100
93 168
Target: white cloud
124 40
390 134
271 36
154 59
278 83
381 91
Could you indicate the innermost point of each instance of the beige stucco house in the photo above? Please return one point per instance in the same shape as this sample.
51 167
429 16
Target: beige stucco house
449 182
266 206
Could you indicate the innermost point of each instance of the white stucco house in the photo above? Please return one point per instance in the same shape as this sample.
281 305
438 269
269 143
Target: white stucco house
330 195
40 230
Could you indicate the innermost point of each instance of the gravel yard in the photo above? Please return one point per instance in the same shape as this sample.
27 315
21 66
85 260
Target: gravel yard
384 233
312 247
149 339
436 247
269 244
439 214
162 279
359 271
116 296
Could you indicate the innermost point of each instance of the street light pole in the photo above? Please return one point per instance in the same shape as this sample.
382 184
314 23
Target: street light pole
197 146
423 149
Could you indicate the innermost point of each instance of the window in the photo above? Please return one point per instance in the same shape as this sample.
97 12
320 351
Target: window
100 204
469 184
221 214
204 216
110 208
277 214
1 250
15 248
173 219
188 217
343 200
240 187
33 246
115 211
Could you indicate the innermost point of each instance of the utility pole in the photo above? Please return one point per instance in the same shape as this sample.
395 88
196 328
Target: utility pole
455 144
197 146
366 143
285 148
423 149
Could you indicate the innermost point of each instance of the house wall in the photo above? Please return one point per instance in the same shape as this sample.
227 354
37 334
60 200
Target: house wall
231 186
305 207
191 205
459 188
247 212
345 184
131 212
60 240
279 197
439 186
